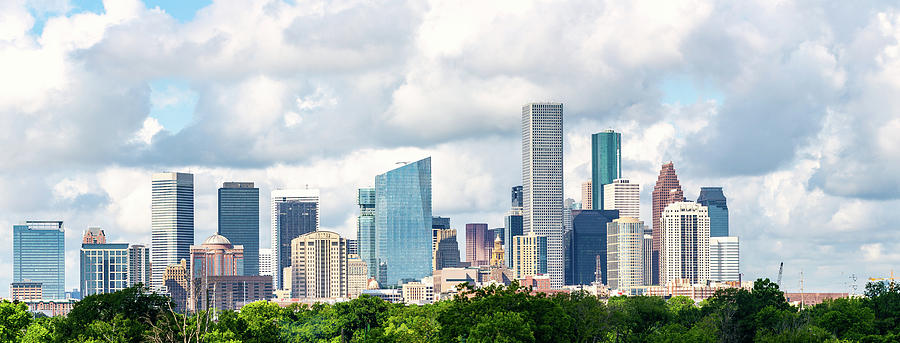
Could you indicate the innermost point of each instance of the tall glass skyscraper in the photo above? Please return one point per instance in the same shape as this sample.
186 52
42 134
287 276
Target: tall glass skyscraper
365 228
542 181
714 199
104 268
39 249
606 162
403 222
588 249
239 220
295 219
172 222
280 196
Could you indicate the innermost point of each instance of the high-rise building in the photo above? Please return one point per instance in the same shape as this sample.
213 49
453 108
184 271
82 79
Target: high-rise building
606 163
666 191
587 195
625 256
446 248
39 250
319 266
175 280
542 180
684 250
365 228
352 247
714 199
724 258
104 266
648 256
512 228
588 247
529 255
517 201
217 256
172 221
239 220
478 244
440 223
139 265
357 275
624 196
295 218
265 262
403 222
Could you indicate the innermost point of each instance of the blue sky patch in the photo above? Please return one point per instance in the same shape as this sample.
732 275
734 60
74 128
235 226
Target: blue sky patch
182 10
682 89
172 103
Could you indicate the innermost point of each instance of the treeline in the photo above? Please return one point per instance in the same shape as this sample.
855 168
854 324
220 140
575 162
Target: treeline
492 314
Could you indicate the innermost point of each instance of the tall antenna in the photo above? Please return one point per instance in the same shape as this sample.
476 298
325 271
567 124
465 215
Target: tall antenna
801 289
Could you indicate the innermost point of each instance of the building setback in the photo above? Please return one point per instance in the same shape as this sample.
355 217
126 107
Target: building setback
666 191
39 256
172 222
403 223
239 220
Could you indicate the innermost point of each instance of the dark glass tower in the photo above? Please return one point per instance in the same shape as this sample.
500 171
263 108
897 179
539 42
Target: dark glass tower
606 163
512 228
239 220
295 218
714 200
588 245
403 223
517 197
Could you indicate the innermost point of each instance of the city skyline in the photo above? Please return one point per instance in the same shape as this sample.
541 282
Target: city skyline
769 117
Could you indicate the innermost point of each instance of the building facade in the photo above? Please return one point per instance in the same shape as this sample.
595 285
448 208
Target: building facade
233 292
479 241
172 221
217 256
26 291
446 249
403 223
239 220
624 196
724 258
529 255
542 180
625 253
176 283
587 195
104 268
714 199
684 252
93 235
139 271
512 227
265 262
365 228
606 162
648 257
319 266
666 191
588 248
303 217
357 275
39 249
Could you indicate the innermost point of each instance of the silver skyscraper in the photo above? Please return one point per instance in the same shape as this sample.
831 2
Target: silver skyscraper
172 221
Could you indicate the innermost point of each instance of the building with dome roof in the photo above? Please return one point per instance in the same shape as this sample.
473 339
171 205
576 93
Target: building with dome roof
216 257
217 280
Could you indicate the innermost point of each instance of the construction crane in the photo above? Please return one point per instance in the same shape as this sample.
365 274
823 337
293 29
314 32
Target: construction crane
884 278
780 270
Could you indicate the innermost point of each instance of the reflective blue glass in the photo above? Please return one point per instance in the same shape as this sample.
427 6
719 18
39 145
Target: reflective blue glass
239 220
403 222
39 256
714 199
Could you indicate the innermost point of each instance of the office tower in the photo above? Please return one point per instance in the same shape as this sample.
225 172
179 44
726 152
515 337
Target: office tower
319 266
648 257
172 221
265 262
684 250
666 191
714 199
542 180
588 245
624 196
587 195
446 249
138 265
39 256
529 255
104 266
175 280
294 212
352 247
93 235
517 201
724 258
478 244
440 223
625 253
606 163
512 228
357 275
365 228
403 222
239 220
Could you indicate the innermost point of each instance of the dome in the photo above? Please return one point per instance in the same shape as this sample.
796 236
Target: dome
217 239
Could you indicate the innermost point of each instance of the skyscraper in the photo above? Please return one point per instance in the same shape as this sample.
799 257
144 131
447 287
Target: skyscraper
588 247
714 199
440 223
625 262
529 255
139 265
587 195
606 162
403 222
172 221
104 266
319 266
478 244
239 220
39 250
684 249
542 180
512 228
281 257
357 275
365 228
724 258
446 249
295 218
666 191
624 196
516 197
647 250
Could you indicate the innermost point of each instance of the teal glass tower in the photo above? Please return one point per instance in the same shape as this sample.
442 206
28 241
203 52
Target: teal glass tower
606 163
403 223
239 220
714 199
365 228
39 249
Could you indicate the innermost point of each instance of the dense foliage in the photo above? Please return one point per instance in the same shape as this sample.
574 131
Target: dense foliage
492 314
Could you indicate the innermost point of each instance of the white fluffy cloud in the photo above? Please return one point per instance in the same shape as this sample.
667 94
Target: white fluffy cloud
802 132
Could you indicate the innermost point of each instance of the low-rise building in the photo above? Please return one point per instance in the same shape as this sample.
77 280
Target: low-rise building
390 295
419 293
26 291
231 292
51 308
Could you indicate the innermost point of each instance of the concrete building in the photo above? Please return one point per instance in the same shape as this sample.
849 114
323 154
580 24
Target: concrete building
139 271
529 255
393 295
239 220
647 257
479 241
290 221
446 249
104 267
39 250
26 291
51 308
666 191
418 292
216 257
684 250
587 195
624 196
542 180
265 263
319 266
357 275
724 258
172 222
232 292
625 256
177 285
403 223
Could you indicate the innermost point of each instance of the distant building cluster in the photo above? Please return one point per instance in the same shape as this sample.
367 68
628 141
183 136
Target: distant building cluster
402 252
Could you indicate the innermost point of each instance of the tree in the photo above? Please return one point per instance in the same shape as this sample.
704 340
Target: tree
501 327
14 319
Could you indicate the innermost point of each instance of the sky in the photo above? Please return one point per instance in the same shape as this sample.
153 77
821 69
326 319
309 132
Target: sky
790 106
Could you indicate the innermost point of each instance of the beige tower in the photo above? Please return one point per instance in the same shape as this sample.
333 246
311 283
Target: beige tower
319 266
624 253
587 198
